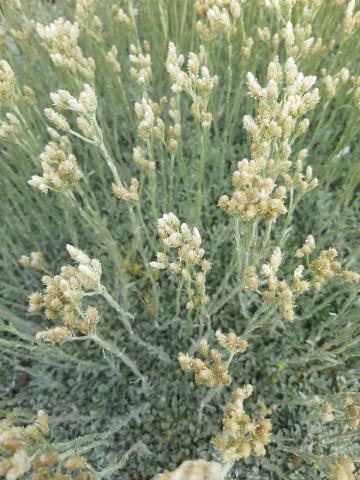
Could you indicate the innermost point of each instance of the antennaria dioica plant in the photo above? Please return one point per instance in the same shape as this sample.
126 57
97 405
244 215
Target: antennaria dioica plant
198 162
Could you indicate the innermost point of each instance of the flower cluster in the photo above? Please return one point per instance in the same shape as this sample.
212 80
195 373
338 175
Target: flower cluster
59 167
174 130
213 371
241 435
7 81
141 64
63 297
112 59
325 266
299 42
83 10
140 160
351 20
26 448
344 470
317 271
127 194
36 260
121 17
150 123
196 82
332 82
84 107
27 28
61 40
254 194
189 263
18 442
11 127
231 342
193 470
278 291
352 412
286 98
326 409
217 16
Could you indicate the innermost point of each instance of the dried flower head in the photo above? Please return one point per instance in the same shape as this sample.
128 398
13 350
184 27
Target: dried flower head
60 38
7 81
59 166
193 470
63 297
36 260
140 65
196 82
326 409
128 194
344 470
10 128
287 96
112 59
189 264
241 435
216 16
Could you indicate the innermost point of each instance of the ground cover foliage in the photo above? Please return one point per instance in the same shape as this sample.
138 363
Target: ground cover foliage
179 239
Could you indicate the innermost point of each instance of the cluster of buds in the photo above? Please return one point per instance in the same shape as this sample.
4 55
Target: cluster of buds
150 123
28 95
246 49
140 64
26 449
356 83
299 42
196 82
121 17
351 20
254 194
213 371
282 7
84 107
303 44
130 194
59 167
7 82
352 412
217 16
174 130
302 182
332 82
231 342
326 408
140 160
277 291
326 266
241 435
193 470
61 40
189 264
63 296
35 260
344 470
112 59
318 271
27 28
84 10
20 443
286 98
10 128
